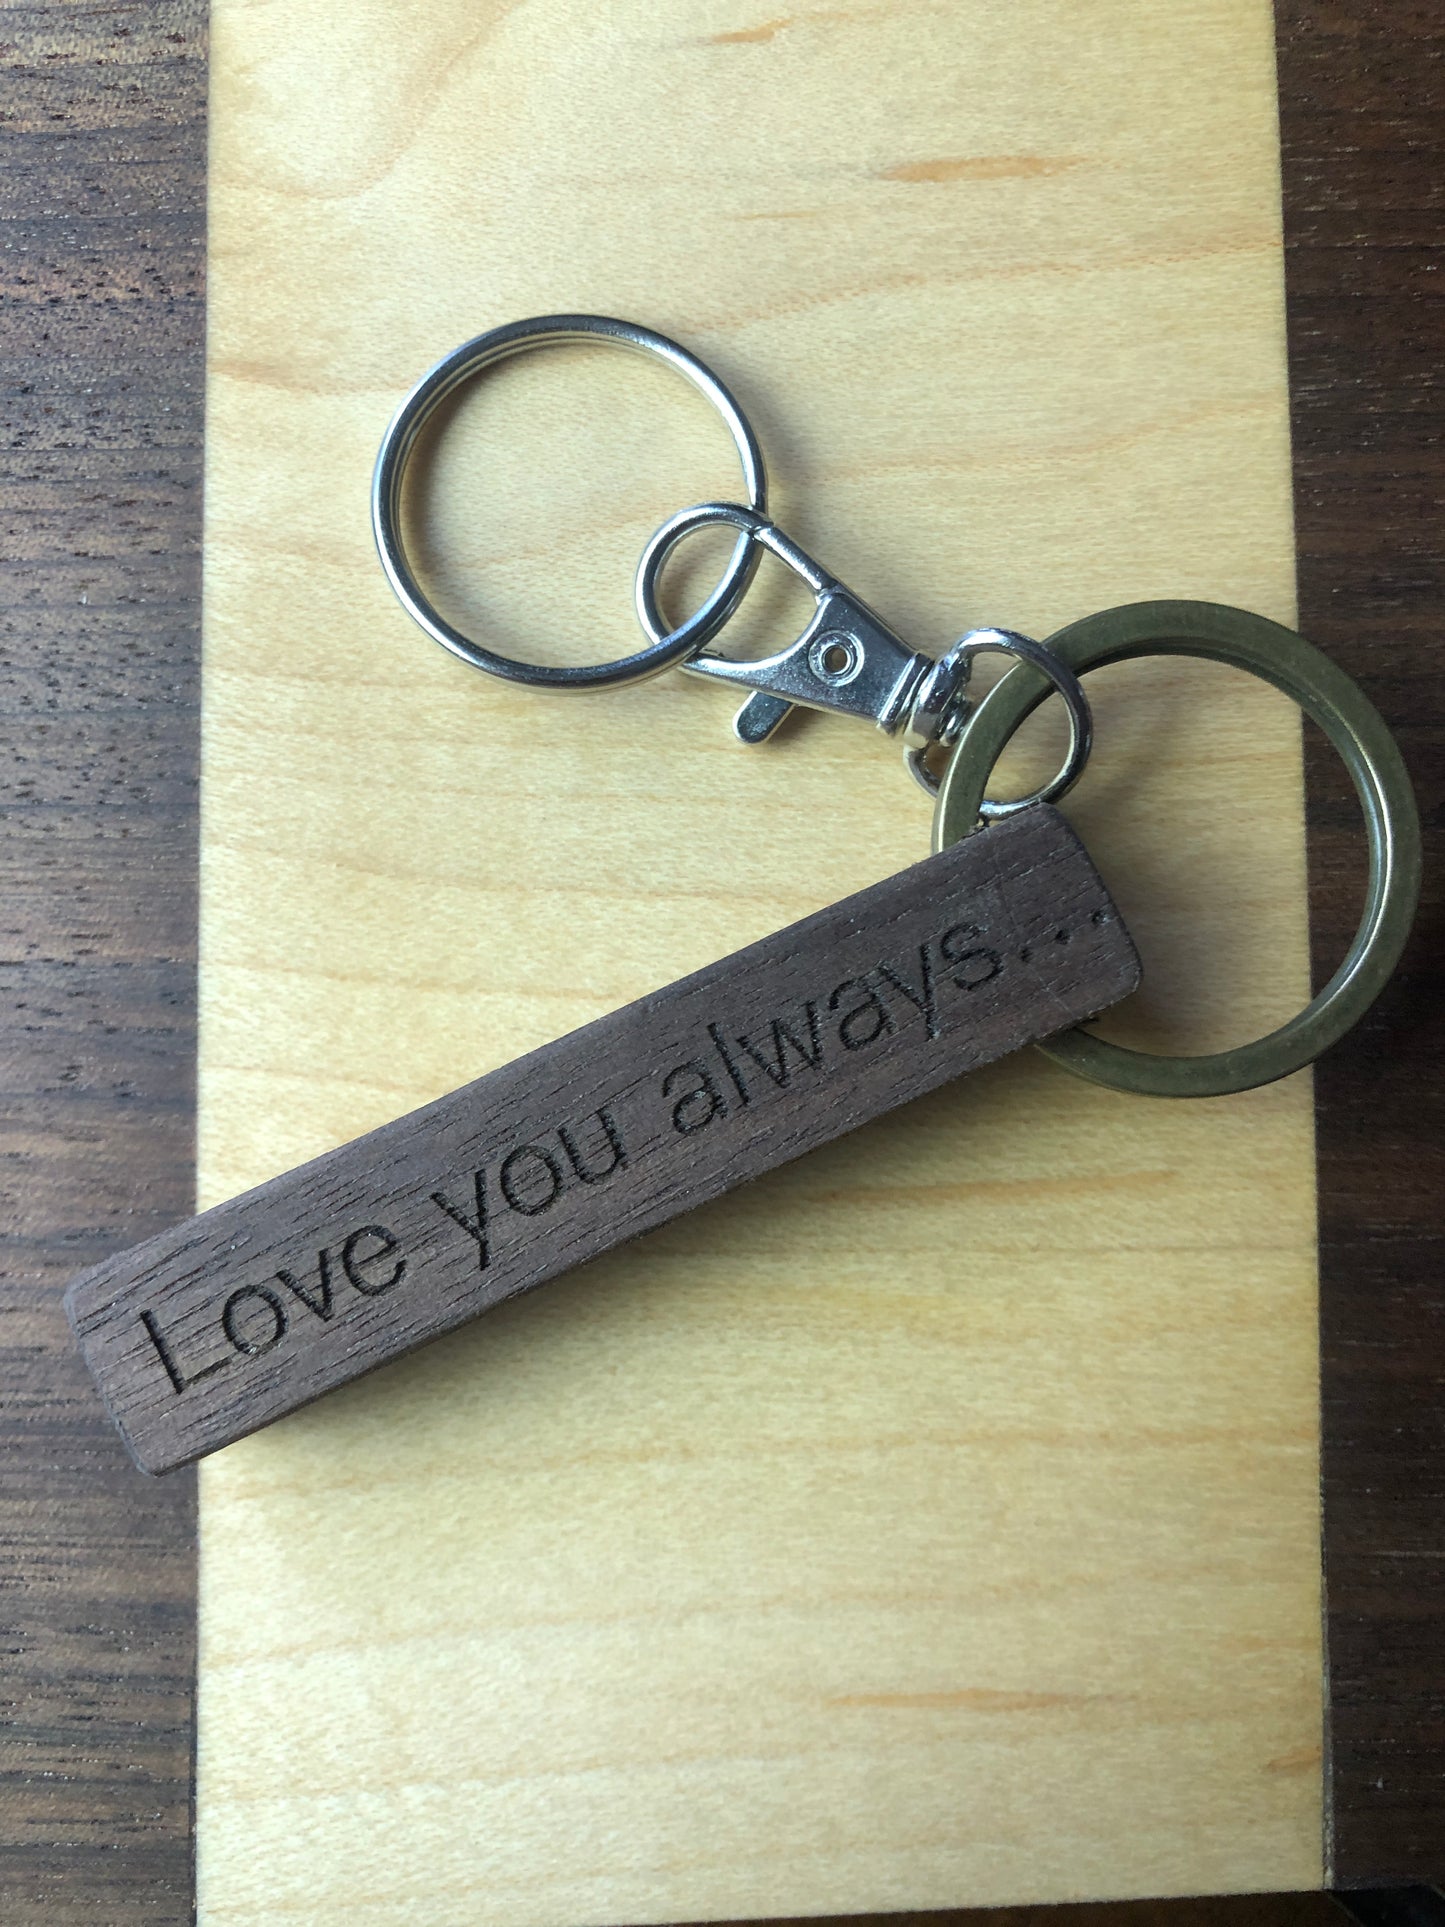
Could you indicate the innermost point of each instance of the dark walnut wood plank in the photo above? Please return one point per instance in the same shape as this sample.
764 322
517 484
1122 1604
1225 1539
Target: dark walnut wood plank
1362 96
101 212
259 1306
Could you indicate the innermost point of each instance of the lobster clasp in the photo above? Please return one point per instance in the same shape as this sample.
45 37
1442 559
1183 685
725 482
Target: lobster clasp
846 660
849 661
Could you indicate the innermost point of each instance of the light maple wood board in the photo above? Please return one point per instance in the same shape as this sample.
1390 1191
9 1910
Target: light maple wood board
935 1522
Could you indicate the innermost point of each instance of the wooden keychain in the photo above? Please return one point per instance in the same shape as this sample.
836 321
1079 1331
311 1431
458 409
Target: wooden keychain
1005 936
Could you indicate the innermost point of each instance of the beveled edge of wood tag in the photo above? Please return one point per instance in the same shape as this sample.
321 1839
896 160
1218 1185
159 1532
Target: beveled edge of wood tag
220 1325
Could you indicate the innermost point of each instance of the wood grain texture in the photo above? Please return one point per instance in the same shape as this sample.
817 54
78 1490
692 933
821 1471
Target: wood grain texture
935 1520
102 146
230 1321
1363 120
92 1832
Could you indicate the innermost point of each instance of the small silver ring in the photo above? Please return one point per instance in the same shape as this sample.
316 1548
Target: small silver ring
516 337
689 636
1007 642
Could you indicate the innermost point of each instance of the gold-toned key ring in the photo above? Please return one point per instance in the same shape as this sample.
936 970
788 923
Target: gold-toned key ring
1326 694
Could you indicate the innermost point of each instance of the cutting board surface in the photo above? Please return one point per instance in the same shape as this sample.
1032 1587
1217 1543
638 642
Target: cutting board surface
935 1522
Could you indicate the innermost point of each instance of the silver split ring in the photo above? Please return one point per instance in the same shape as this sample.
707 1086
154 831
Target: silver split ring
956 664
486 351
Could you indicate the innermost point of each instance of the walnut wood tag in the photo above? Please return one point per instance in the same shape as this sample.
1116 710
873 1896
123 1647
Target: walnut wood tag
224 1323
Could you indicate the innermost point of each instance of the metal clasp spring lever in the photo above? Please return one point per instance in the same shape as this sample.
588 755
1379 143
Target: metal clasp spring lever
849 661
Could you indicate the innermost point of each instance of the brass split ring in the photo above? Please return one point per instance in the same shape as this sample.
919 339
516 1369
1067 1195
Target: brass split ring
1326 694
